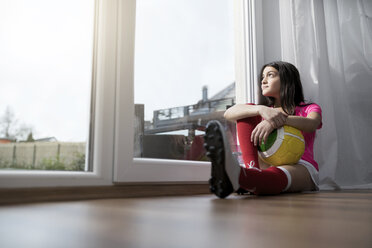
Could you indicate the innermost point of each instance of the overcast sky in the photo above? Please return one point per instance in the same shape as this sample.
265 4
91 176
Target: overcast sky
46 56
45 65
182 45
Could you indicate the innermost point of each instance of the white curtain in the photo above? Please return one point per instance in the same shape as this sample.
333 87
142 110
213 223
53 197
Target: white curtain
330 42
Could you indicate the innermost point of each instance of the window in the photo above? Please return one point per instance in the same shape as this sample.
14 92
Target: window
184 74
183 77
112 116
46 57
94 117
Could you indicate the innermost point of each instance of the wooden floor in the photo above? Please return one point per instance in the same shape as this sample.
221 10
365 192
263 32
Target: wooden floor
325 219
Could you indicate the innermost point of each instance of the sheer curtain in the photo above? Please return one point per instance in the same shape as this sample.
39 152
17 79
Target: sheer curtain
331 44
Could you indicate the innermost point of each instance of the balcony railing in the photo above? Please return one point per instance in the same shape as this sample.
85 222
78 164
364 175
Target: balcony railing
187 115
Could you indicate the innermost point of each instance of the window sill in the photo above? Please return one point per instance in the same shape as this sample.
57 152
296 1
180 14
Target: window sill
51 194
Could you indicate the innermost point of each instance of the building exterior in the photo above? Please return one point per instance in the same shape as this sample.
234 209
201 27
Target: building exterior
158 139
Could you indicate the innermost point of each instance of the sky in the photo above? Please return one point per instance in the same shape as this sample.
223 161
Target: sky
45 65
181 46
46 59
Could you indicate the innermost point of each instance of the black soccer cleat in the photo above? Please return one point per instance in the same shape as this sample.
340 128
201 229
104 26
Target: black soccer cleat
216 146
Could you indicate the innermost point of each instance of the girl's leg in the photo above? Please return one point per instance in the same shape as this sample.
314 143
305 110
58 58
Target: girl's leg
274 180
270 180
249 151
301 179
228 176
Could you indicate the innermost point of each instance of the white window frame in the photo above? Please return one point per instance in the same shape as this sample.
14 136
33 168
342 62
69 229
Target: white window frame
129 169
102 116
113 108
249 49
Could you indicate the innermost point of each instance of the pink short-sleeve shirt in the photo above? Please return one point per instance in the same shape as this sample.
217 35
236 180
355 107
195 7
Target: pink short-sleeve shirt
303 110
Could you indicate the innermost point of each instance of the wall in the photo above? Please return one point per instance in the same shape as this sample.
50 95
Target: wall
43 155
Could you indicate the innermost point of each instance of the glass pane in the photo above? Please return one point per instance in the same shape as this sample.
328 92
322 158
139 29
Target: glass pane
184 74
46 49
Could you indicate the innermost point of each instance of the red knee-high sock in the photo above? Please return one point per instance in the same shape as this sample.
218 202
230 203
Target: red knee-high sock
249 151
263 182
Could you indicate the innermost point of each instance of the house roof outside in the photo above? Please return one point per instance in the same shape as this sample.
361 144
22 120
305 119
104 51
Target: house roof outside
6 140
47 139
228 92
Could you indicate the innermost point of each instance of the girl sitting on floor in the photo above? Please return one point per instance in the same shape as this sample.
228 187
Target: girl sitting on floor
284 105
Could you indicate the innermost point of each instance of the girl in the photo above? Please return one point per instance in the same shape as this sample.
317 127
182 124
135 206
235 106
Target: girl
282 104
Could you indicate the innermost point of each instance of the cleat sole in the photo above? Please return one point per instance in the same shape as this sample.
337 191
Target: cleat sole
219 183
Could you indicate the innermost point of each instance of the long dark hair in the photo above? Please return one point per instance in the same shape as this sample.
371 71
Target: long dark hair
291 93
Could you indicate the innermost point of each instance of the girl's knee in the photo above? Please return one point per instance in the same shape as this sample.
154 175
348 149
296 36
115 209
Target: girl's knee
301 178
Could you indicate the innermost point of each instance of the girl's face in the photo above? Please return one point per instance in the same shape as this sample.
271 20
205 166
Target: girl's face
270 83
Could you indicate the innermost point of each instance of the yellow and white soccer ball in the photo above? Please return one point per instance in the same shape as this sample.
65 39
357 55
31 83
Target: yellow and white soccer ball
284 145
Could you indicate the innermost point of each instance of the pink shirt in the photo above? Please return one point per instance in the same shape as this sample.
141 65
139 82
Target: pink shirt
304 110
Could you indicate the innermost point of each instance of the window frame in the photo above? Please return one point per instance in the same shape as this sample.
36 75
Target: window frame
112 88
130 169
101 138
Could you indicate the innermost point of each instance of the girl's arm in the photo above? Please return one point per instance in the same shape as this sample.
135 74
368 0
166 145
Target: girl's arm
306 124
275 117
241 111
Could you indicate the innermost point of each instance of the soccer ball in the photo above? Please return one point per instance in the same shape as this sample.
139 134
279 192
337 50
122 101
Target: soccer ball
284 145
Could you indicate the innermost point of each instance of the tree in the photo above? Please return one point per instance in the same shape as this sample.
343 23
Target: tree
30 138
7 121
10 127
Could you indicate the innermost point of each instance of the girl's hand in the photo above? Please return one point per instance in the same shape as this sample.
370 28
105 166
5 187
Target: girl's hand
261 132
275 117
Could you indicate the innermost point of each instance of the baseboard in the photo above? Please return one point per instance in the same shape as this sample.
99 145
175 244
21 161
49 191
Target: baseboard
31 195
